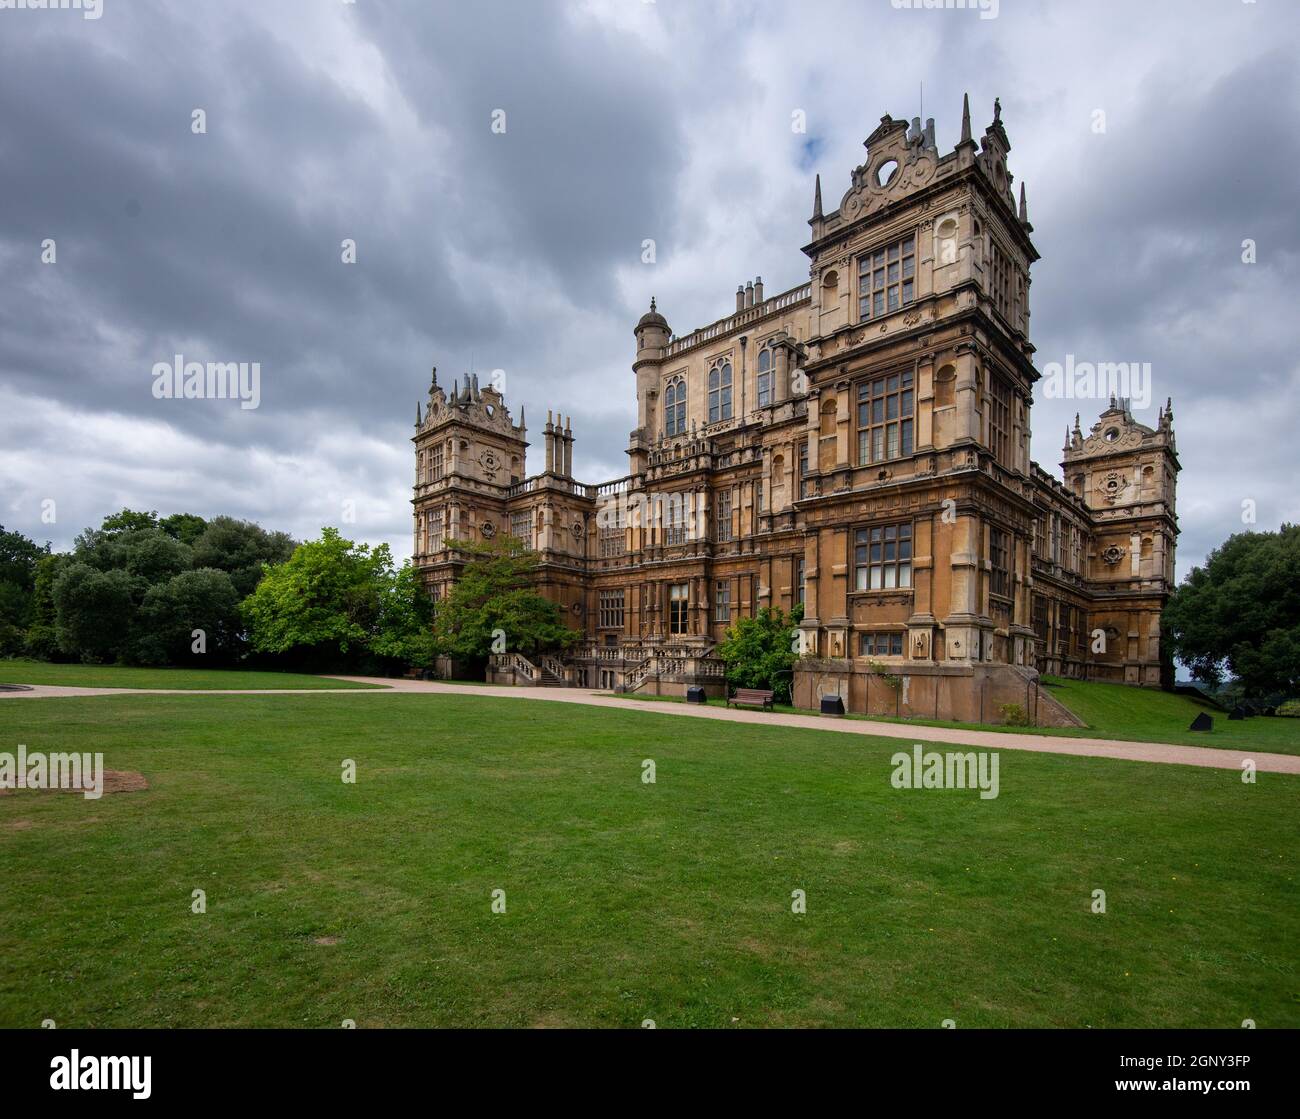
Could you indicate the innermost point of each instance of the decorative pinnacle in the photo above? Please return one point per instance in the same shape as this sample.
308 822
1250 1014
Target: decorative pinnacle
817 199
965 118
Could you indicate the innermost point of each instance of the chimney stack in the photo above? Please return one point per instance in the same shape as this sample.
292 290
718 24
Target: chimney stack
550 443
749 293
740 298
758 289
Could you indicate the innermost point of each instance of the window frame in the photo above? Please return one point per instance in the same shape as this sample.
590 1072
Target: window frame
882 432
875 267
720 386
894 537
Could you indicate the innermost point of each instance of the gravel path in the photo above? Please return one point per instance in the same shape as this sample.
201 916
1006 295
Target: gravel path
1167 753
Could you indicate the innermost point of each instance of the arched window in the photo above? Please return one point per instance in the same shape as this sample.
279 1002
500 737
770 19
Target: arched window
720 390
675 407
766 372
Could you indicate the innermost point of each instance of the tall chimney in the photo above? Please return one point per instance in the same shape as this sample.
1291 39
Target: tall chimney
758 289
550 443
749 293
568 447
740 297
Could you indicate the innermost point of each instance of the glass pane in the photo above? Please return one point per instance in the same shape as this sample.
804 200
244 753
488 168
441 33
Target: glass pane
893 440
893 299
907 291
875 579
904 574
893 272
891 408
875 553
864 308
880 258
713 378
862 579
877 444
878 303
864 415
878 411
906 405
880 279
909 267
889 578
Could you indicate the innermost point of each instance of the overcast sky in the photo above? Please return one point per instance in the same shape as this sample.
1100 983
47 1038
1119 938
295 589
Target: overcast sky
522 250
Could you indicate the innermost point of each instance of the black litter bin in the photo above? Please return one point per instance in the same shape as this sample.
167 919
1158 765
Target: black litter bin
696 695
832 705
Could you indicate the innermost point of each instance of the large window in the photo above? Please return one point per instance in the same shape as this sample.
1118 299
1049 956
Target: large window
433 527
882 557
722 601
805 487
722 516
1039 612
611 609
1000 420
886 279
675 407
880 644
885 408
673 509
1002 280
612 535
798 580
679 600
766 373
521 528
999 562
720 390
435 463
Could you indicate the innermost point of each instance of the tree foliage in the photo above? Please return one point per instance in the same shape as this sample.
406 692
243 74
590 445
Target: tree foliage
494 595
760 652
1239 614
171 612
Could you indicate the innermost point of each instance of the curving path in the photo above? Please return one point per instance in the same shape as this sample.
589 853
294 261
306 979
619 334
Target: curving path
1166 753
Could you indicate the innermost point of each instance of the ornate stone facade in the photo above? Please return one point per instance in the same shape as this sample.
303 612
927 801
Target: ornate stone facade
858 444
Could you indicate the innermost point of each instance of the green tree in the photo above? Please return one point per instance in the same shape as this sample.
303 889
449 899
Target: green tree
19 558
494 594
404 633
760 652
240 548
324 604
1240 614
94 611
42 639
185 527
170 613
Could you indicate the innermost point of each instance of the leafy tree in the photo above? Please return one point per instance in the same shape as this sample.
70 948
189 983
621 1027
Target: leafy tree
405 629
760 651
19 557
240 548
1240 614
128 520
185 527
170 613
93 612
42 639
324 604
494 592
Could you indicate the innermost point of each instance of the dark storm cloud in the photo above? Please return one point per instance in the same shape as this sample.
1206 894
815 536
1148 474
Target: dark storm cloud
521 251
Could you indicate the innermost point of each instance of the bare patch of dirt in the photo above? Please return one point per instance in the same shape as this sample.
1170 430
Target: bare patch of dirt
325 940
18 825
115 781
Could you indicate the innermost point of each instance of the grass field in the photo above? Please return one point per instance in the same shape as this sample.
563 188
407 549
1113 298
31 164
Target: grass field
1127 714
111 676
625 901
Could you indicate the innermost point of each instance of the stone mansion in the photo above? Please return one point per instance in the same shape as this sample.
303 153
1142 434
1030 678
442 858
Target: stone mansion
858 445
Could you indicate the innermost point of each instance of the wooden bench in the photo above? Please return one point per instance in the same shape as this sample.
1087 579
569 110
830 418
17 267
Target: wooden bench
752 697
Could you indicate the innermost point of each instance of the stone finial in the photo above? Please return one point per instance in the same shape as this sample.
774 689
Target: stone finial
1024 208
652 303
817 199
965 119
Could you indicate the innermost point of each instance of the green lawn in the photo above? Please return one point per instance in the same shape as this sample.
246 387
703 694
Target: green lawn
1128 714
625 901
111 676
